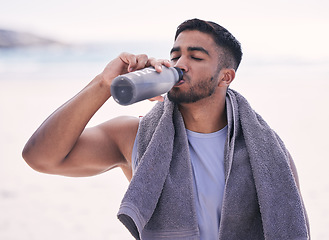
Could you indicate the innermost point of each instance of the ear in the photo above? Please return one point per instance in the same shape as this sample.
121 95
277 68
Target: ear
227 75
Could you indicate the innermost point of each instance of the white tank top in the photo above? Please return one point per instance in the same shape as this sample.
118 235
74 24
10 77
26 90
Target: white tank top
207 159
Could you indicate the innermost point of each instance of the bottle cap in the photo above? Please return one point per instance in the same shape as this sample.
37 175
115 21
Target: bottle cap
180 73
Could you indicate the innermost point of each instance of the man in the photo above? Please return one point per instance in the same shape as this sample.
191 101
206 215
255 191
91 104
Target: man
203 165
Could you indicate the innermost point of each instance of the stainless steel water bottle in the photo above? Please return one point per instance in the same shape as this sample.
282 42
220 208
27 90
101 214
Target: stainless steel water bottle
143 84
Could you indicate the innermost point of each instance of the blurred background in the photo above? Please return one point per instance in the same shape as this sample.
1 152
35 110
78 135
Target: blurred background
49 50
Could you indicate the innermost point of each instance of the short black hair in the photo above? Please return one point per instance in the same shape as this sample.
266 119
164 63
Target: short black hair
222 37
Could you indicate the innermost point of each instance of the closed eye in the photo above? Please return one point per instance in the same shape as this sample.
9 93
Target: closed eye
197 59
174 58
194 58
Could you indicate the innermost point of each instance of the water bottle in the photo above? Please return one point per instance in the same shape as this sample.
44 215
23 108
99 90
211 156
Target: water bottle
144 84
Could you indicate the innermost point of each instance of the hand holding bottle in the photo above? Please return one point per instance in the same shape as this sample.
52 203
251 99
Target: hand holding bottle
144 84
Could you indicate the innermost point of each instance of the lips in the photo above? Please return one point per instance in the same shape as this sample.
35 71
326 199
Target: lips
179 83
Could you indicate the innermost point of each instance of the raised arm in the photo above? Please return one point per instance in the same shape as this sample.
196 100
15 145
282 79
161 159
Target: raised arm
62 145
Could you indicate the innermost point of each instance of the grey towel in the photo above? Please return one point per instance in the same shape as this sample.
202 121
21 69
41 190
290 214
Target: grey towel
261 200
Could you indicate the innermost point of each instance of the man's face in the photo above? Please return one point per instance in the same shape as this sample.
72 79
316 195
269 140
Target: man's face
197 55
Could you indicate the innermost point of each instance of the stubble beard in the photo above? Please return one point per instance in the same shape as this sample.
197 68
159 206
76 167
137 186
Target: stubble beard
203 89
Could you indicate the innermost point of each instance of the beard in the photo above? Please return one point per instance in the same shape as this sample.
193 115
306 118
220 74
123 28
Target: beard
203 89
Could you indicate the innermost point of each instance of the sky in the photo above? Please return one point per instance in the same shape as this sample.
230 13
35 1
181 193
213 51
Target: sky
295 27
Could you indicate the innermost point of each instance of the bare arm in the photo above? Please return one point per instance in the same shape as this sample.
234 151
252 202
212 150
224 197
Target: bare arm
62 145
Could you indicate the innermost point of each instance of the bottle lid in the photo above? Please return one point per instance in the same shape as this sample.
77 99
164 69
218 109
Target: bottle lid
180 73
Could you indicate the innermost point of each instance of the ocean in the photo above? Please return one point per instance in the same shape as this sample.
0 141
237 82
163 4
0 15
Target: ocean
290 92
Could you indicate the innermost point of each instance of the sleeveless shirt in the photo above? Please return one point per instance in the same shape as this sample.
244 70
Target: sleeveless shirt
207 160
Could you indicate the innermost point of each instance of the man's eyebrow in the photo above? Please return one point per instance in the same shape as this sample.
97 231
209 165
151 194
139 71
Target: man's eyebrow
200 49
174 49
190 49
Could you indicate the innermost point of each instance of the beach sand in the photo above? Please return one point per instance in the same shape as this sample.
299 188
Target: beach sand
293 100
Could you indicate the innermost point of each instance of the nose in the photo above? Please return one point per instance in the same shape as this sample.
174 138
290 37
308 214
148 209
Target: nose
182 64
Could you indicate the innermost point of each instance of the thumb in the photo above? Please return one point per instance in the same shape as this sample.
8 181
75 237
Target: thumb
157 98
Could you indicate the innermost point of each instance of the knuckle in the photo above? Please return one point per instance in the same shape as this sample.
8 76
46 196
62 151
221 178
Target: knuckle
142 56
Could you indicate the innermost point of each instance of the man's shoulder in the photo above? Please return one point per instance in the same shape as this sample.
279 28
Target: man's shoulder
122 125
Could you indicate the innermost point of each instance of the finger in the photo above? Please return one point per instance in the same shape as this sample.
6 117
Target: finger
158 63
141 61
154 63
166 62
129 59
158 98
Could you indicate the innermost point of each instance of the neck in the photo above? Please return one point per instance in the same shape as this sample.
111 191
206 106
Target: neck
205 116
